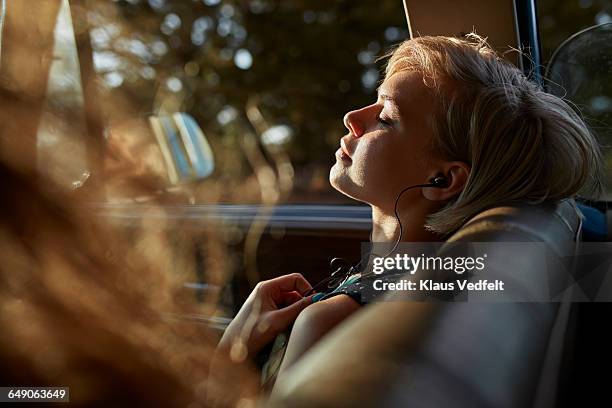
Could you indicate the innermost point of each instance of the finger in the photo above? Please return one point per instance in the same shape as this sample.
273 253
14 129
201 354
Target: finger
289 298
293 281
285 316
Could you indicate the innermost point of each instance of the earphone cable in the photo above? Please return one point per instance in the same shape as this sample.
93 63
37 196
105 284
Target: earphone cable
356 268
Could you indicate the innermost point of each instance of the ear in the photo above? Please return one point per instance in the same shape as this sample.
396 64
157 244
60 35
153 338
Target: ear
456 174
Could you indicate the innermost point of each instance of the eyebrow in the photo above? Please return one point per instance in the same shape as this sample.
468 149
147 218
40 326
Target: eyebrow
386 97
389 98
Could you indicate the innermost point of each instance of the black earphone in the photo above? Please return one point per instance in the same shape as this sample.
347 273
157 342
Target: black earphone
341 269
439 181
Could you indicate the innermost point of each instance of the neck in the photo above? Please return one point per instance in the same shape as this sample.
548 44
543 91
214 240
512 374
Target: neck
385 227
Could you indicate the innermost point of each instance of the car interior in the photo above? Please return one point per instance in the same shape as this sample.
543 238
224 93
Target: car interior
460 354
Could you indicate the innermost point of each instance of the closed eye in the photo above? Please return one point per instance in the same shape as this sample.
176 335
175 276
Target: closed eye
383 121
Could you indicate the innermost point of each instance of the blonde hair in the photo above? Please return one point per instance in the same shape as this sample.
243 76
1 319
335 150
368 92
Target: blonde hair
523 144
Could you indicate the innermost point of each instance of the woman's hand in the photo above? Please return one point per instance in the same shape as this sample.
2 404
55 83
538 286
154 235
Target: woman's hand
270 308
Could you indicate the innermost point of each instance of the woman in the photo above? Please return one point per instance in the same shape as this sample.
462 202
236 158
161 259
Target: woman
453 111
90 307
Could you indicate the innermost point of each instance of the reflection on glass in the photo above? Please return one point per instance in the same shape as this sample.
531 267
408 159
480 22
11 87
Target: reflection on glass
581 71
62 129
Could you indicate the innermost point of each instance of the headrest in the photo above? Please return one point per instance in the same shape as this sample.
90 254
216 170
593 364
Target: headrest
556 224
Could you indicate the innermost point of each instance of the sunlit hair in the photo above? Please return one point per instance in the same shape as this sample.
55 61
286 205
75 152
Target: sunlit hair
523 144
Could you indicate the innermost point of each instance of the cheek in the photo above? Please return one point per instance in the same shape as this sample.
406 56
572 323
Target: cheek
381 157
390 165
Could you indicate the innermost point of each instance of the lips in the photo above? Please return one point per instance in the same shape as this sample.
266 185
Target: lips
345 149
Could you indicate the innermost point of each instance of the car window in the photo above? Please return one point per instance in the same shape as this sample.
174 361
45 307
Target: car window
588 63
268 83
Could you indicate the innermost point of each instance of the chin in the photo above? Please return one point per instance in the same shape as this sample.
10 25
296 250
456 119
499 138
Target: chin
341 181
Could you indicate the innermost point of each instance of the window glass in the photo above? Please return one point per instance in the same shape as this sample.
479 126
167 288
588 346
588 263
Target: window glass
589 82
558 20
267 82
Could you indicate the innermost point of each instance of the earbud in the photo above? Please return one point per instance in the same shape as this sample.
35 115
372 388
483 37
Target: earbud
439 181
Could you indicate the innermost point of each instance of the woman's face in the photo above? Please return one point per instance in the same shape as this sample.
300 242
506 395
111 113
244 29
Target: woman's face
388 146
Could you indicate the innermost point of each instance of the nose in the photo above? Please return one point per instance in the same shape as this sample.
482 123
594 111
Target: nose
353 124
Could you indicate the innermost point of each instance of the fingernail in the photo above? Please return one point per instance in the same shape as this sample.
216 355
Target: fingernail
316 297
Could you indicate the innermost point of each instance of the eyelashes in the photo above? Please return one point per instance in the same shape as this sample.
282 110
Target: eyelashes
383 121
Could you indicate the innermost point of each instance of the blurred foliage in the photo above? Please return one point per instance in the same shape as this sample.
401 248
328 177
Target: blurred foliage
558 20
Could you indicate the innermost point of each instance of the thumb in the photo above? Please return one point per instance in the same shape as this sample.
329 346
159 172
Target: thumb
288 314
